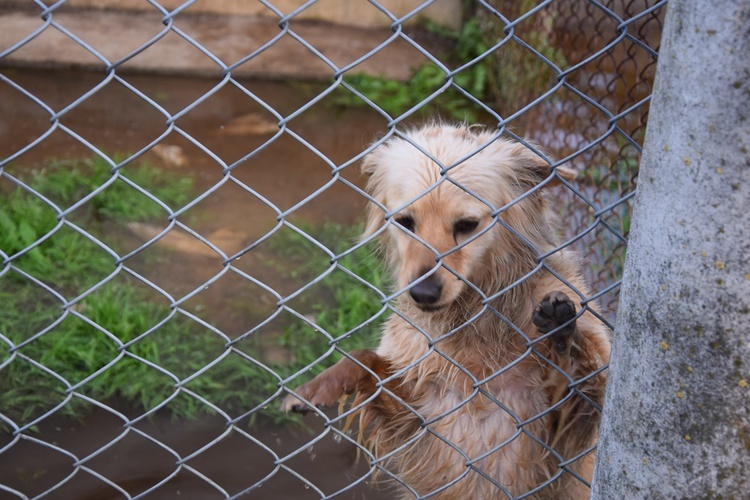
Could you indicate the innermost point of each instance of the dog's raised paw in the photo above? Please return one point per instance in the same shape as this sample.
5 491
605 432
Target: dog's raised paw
555 310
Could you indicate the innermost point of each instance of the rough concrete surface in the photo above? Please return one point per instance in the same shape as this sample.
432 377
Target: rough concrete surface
344 12
118 34
676 420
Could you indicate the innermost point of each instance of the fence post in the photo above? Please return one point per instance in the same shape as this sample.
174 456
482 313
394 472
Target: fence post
676 420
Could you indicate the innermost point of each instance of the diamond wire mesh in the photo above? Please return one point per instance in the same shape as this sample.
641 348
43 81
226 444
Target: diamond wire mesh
592 116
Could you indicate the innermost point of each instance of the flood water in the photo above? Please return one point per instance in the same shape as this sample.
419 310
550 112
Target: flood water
208 138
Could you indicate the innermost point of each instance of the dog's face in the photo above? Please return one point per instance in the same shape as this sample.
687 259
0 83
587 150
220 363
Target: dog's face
445 219
441 232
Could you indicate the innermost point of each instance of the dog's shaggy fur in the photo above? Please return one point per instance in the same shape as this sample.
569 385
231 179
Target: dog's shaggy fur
487 363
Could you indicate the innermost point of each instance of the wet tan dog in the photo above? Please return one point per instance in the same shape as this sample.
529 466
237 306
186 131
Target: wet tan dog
485 382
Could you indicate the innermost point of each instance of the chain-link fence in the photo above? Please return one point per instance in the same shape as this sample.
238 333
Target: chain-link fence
180 252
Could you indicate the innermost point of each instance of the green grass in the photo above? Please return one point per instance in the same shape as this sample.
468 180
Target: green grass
395 97
505 80
515 75
70 264
348 302
85 342
68 181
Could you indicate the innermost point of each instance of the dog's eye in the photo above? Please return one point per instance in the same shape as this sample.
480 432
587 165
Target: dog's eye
407 221
465 226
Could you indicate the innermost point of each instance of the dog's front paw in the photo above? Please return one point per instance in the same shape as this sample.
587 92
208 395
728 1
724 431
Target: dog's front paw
554 310
327 388
322 392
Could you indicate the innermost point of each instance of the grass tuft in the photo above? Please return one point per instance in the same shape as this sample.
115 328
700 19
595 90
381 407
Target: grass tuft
122 341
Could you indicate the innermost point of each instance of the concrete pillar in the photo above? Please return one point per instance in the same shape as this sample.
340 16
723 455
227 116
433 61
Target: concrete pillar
676 420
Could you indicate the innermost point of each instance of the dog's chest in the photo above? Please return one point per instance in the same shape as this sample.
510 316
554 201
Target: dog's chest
489 424
472 405
461 404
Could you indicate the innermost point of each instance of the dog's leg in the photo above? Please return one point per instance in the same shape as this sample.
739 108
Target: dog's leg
556 311
581 352
343 378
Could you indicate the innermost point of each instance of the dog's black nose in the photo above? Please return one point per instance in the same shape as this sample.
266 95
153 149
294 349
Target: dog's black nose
426 292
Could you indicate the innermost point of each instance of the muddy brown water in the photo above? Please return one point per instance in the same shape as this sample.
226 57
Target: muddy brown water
230 460
230 125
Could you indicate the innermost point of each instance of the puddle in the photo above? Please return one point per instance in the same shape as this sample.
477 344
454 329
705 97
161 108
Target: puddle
236 459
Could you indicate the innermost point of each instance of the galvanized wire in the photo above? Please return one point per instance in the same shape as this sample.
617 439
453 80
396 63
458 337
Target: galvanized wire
625 32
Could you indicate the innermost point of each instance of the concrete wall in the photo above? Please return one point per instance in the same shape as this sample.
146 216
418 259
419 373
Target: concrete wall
344 12
676 420
117 29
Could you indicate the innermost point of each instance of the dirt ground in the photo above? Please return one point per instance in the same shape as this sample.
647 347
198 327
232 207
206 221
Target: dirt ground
232 463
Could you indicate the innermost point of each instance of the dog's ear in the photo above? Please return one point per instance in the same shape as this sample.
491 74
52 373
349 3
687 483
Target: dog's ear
374 221
565 173
536 169
370 163
375 215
